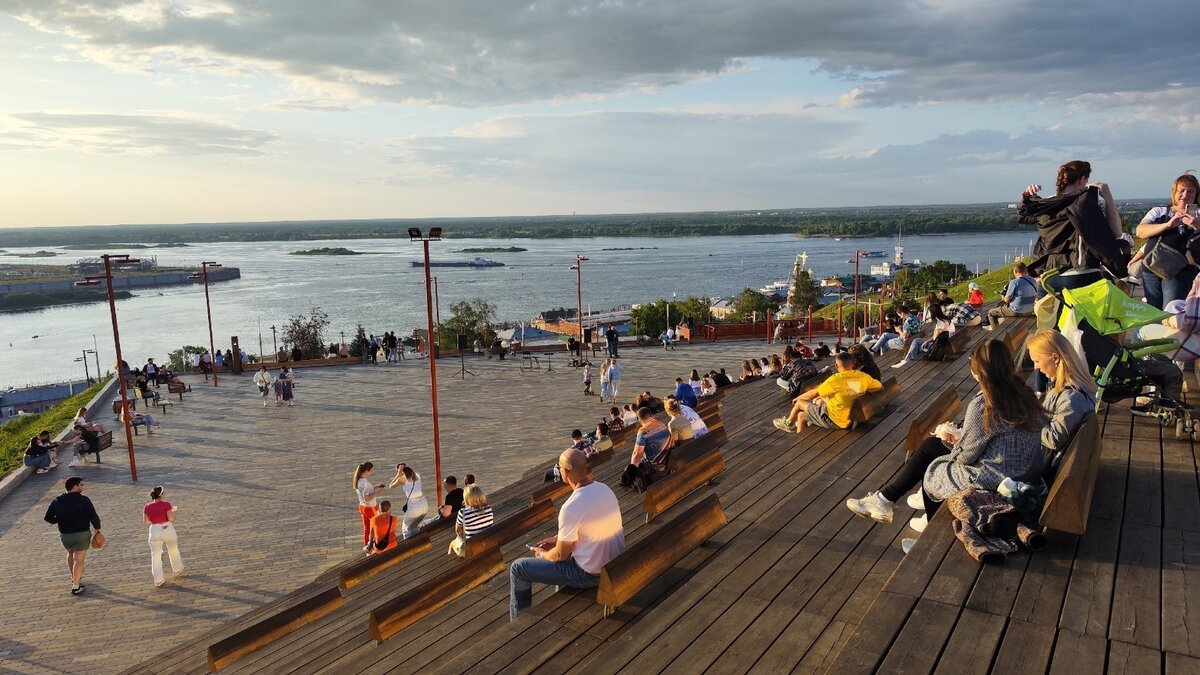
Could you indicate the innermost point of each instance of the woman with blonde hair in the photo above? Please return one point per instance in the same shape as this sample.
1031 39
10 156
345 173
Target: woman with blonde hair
473 518
1072 394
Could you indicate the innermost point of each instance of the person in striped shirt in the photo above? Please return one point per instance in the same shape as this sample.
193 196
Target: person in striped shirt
473 518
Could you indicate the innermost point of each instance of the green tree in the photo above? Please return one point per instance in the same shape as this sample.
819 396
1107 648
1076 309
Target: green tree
473 318
750 303
355 348
180 359
305 332
650 318
808 294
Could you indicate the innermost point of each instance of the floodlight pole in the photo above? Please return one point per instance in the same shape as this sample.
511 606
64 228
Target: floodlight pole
212 346
121 379
578 267
431 349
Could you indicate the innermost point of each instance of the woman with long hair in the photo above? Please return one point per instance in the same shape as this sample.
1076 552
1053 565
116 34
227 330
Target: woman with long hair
368 493
160 516
1000 437
415 506
941 324
747 371
81 418
694 382
1072 394
863 361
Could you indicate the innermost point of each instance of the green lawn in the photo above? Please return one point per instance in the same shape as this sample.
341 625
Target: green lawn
989 282
15 433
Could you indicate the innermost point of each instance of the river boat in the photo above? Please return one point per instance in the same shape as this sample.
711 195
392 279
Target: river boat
777 287
476 262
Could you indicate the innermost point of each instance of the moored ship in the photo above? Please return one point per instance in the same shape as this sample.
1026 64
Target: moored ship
476 262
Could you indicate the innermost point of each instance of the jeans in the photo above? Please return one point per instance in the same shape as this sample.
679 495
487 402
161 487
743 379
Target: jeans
612 349
1161 291
164 536
884 342
914 350
524 571
41 461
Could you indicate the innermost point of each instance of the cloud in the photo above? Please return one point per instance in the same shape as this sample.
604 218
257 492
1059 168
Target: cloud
483 52
129 134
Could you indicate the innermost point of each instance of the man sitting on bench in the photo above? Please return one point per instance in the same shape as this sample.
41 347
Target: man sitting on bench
590 533
829 404
88 443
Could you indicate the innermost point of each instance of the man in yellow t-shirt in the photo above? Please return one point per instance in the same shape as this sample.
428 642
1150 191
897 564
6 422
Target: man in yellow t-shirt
829 404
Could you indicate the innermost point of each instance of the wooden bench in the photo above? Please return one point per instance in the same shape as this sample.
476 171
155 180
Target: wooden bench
437 525
1069 501
689 451
264 631
411 606
663 494
1015 337
627 574
940 409
510 528
869 405
959 341
371 565
180 388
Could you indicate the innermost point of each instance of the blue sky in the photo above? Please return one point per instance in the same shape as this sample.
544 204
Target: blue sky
134 111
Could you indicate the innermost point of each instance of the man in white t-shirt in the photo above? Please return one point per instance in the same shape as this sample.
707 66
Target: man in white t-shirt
590 533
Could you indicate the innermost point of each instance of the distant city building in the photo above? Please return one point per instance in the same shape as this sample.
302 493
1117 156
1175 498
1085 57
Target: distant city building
41 398
721 308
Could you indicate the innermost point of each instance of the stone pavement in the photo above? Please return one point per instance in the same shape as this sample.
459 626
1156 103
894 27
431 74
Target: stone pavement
265 494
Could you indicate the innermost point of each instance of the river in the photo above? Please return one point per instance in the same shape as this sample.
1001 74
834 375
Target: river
383 291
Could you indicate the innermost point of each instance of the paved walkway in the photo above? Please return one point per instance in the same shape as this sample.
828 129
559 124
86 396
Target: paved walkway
265 497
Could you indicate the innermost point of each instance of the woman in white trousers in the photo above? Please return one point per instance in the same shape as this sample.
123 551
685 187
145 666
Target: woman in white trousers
160 516
415 506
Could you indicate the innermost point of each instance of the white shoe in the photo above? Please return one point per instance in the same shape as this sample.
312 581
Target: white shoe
906 544
74 463
874 506
264 404
902 363
916 501
985 328
919 523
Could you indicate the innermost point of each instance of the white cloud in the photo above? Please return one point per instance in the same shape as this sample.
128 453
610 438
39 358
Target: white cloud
149 134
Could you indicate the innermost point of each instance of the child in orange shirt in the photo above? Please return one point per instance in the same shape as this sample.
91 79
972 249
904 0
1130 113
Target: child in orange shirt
383 529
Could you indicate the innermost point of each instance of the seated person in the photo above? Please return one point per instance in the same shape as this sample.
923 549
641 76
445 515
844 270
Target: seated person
747 372
454 498
475 517
81 418
37 456
653 439
685 393
805 351
1071 397
590 534
774 365
143 419
910 327
821 351
941 323
864 362
88 443
1001 437
602 441
829 404
974 296
707 387
891 331
615 421
578 443
383 529
44 443
721 379
646 400
679 426
143 389
629 415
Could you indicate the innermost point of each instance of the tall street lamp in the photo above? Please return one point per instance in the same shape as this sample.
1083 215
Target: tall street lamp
578 267
435 234
274 344
87 373
123 259
858 255
212 346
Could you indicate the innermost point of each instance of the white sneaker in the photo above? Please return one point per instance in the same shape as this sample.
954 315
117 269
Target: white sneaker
74 462
916 501
902 363
906 544
874 506
918 524
985 328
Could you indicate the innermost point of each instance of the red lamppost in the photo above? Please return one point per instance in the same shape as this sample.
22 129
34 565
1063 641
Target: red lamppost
858 255
212 347
112 307
578 267
435 234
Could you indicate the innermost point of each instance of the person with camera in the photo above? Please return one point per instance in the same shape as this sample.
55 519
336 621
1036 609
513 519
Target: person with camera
1019 297
1167 274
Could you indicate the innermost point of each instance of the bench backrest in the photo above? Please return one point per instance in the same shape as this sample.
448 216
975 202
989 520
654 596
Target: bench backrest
942 408
646 560
511 527
105 441
1014 339
868 405
1070 499
415 604
663 494
367 567
263 632
959 340
689 451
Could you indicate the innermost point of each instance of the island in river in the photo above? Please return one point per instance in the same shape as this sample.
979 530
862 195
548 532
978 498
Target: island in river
493 249
327 251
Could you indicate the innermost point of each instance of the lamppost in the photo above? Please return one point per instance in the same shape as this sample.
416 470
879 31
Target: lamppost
858 255
212 347
122 381
274 345
578 267
435 234
87 375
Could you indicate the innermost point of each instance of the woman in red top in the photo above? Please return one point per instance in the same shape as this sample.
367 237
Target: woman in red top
160 516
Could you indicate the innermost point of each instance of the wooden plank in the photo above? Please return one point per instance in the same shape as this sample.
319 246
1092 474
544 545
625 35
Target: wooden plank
1178 664
691 450
1026 648
639 564
942 408
869 643
1125 658
1181 592
511 527
271 628
1075 653
972 645
1136 610
371 565
1044 585
407 608
1143 495
663 494
1069 502
919 643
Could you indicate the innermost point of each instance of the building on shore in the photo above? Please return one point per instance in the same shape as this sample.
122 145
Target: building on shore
37 398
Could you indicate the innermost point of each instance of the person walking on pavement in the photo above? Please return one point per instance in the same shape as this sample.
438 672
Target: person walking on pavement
160 516
611 337
75 517
614 381
264 382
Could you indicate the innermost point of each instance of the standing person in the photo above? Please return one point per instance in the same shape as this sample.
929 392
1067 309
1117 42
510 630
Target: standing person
1171 226
75 517
778 335
160 516
605 383
415 506
612 339
383 529
587 379
151 372
614 380
1018 298
206 364
264 382
590 534
367 493
284 385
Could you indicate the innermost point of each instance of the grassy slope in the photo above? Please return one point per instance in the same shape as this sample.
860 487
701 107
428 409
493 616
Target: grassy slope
15 434
989 282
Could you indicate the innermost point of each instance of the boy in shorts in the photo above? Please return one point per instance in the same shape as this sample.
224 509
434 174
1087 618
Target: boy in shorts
829 404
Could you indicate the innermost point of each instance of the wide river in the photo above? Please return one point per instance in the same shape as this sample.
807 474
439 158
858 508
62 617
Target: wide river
385 292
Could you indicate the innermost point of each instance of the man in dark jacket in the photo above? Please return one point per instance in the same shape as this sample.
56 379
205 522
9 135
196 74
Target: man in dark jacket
75 516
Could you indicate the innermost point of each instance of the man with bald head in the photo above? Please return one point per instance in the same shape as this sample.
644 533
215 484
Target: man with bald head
590 533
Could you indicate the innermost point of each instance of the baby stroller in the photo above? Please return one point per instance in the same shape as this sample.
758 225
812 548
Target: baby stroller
1093 318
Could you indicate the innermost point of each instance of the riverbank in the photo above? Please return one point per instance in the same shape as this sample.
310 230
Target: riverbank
27 302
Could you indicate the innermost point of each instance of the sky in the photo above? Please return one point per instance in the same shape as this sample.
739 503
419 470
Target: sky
156 111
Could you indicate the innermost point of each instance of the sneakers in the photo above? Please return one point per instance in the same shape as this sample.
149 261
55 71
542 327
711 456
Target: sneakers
903 362
77 590
918 524
179 575
906 544
916 501
782 424
874 506
74 463
43 470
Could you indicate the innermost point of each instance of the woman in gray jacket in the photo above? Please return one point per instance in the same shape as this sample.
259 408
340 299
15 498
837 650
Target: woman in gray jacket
1071 397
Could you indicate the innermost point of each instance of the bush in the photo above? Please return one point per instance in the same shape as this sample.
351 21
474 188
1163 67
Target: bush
305 332
15 433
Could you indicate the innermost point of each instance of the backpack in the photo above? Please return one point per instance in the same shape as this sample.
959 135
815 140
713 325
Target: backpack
939 347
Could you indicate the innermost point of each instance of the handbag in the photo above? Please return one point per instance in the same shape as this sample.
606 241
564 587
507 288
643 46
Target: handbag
1163 261
387 536
98 540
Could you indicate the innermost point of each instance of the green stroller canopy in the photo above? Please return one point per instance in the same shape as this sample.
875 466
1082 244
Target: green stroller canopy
1108 309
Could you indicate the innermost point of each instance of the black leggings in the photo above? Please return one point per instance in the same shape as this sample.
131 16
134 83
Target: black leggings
913 471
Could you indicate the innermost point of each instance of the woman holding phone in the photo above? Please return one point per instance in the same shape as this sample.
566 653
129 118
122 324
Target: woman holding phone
367 493
1171 226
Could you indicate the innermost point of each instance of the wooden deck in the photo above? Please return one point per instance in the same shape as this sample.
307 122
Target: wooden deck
795 576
